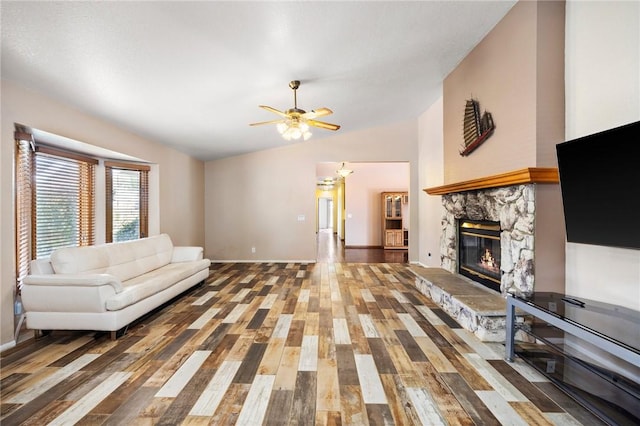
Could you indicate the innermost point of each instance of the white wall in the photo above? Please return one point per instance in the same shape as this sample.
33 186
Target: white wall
602 78
254 200
180 189
430 173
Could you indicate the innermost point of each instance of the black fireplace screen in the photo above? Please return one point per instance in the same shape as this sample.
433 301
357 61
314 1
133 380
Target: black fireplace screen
479 252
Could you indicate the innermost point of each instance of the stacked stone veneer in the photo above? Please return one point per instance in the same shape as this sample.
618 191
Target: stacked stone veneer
512 206
488 327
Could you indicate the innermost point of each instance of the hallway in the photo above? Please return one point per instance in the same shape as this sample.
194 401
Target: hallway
332 250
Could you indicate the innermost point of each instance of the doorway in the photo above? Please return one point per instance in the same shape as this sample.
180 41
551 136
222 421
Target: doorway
325 213
357 232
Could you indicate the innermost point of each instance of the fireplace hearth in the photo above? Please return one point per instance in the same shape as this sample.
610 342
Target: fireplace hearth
479 252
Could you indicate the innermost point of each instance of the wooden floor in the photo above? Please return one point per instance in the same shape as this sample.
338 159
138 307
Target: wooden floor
324 343
309 344
332 250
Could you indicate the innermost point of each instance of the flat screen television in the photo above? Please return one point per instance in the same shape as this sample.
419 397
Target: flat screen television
600 184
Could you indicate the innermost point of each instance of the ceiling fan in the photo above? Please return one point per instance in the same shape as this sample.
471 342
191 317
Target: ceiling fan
295 122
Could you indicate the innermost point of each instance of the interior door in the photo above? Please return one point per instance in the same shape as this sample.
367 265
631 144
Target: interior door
325 213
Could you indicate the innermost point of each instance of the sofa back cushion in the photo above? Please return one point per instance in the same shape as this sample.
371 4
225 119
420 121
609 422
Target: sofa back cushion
123 260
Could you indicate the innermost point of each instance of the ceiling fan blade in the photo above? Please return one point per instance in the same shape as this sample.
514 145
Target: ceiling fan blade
323 125
273 110
320 112
267 122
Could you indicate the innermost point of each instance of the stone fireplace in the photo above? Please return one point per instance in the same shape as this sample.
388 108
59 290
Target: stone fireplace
512 201
523 209
513 208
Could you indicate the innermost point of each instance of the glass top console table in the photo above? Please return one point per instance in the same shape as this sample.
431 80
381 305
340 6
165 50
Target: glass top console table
590 349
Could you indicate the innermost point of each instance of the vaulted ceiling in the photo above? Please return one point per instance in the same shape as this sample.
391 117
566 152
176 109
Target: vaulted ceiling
192 74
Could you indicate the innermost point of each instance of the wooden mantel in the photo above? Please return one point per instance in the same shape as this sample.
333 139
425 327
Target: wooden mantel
516 177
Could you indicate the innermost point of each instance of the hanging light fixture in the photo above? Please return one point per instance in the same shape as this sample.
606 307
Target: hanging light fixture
294 128
295 122
343 172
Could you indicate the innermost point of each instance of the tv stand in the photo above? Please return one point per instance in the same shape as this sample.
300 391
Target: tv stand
589 349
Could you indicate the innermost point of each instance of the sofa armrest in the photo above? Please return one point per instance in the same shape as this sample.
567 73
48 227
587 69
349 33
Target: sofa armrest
74 280
186 254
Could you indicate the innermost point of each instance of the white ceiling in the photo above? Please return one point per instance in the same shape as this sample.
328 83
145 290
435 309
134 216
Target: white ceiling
192 74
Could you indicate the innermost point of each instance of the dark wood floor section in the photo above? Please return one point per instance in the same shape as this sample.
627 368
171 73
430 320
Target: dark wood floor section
332 250
309 344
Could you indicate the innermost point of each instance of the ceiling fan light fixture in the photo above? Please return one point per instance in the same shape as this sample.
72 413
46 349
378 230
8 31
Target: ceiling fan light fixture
295 132
294 129
295 122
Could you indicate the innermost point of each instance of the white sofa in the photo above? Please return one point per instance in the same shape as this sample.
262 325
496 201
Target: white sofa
105 287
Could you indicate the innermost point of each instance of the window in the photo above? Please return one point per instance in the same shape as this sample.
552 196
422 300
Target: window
64 201
55 200
55 204
127 189
23 197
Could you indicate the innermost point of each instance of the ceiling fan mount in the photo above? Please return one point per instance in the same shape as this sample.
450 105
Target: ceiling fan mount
294 122
294 84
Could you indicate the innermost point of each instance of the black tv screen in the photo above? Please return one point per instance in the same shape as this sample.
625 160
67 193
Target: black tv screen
600 184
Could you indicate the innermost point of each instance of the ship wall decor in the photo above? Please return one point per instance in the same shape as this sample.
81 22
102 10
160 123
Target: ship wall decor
476 128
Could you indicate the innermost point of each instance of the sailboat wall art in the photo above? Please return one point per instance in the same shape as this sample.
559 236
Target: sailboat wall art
477 127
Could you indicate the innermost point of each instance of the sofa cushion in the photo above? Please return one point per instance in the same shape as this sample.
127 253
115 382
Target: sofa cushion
124 260
153 282
77 260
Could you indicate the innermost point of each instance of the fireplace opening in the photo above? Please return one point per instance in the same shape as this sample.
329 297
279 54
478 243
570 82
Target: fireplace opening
479 252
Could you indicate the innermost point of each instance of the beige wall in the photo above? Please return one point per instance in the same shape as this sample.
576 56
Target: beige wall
603 91
181 178
550 123
430 174
515 73
550 97
549 240
500 72
254 200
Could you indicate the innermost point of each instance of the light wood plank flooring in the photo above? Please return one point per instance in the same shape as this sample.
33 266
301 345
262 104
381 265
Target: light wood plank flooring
309 344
